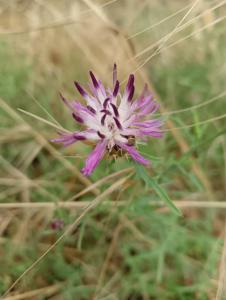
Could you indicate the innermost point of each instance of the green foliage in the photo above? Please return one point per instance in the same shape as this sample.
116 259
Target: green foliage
150 182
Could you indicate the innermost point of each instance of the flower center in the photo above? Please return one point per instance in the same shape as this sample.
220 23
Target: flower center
111 125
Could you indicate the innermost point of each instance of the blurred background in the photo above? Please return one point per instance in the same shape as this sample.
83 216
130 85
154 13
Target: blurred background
132 246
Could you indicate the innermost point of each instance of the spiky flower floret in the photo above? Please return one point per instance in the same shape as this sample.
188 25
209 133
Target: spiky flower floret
113 121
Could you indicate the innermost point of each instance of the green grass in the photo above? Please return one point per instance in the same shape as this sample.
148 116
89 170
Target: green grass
132 251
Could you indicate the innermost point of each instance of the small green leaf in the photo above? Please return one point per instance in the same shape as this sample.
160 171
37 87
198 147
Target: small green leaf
142 173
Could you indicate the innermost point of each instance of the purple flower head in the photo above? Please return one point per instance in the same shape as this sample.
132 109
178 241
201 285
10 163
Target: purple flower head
57 224
114 121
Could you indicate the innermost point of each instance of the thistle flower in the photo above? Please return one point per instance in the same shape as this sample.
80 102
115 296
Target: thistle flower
112 120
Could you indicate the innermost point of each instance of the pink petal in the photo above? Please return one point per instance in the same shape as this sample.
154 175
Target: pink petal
94 158
148 124
70 138
134 154
154 132
114 74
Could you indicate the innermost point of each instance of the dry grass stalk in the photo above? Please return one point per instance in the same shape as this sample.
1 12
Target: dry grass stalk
71 227
221 289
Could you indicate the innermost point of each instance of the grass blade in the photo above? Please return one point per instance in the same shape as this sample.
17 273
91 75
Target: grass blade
150 182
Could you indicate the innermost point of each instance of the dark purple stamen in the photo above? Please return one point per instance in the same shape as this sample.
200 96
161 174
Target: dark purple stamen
66 101
80 89
77 118
94 80
106 102
91 109
107 112
114 74
103 119
115 110
117 123
101 135
130 97
130 82
116 89
79 137
62 97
